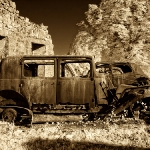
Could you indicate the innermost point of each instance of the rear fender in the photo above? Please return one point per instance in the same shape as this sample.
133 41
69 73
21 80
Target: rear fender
10 97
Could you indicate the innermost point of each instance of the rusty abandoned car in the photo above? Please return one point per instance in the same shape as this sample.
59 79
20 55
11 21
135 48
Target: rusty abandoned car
68 85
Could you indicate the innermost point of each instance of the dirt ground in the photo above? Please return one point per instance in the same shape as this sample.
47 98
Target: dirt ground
95 135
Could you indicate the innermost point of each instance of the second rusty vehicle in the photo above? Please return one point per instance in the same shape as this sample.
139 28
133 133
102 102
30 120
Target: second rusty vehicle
64 85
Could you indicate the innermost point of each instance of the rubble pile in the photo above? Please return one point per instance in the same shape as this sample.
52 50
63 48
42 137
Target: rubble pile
19 36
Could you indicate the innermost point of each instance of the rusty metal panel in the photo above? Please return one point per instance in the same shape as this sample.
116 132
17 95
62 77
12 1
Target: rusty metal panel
101 97
39 90
126 78
102 83
117 80
75 91
129 78
10 84
10 68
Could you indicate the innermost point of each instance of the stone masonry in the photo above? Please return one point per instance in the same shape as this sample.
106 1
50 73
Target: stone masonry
19 36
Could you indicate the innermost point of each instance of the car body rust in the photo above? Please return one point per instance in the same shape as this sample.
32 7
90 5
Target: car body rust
69 84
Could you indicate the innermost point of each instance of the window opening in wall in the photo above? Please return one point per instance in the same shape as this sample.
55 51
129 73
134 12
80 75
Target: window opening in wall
3 48
2 37
36 46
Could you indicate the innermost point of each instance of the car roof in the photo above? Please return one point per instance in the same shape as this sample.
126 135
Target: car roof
111 63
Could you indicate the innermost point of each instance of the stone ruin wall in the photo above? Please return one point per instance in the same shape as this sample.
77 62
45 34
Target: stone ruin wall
19 36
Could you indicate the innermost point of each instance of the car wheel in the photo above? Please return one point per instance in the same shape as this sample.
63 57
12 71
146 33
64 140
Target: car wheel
9 115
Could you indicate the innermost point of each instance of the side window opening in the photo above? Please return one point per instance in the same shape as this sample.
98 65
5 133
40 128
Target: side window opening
72 68
30 70
117 70
103 68
38 68
122 68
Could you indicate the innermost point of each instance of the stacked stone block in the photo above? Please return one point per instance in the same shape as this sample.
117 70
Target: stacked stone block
19 36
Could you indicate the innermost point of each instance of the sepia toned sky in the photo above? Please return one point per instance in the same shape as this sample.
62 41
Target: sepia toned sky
61 17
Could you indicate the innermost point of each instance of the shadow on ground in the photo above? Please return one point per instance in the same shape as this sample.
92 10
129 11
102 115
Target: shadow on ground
65 144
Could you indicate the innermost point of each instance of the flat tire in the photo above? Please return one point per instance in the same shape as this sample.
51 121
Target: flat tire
9 115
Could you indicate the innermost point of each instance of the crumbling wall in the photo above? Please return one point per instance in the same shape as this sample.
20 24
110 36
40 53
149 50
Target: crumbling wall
19 36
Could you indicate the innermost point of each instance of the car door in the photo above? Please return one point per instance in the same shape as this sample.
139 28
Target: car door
38 82
75 83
